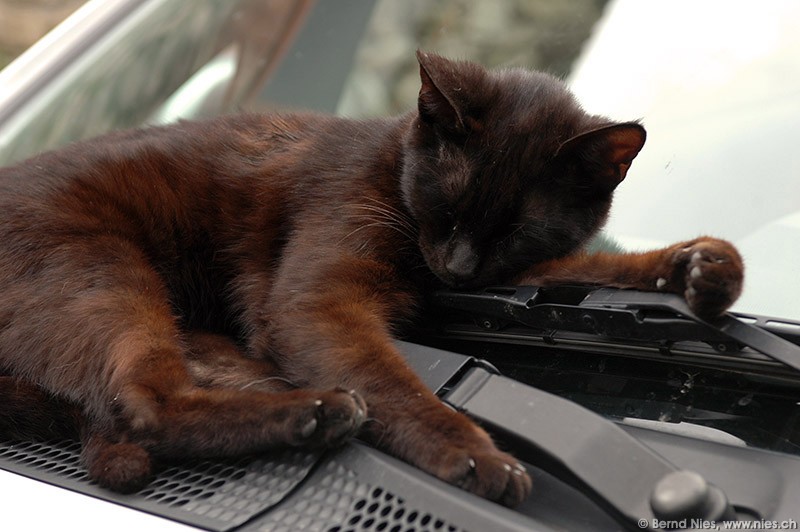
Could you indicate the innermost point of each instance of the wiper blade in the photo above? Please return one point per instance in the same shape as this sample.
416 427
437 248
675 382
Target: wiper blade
612 313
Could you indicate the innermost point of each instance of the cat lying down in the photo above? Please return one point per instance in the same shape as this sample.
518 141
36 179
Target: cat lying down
233 285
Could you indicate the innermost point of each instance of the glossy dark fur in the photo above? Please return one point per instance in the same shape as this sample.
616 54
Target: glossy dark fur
234 285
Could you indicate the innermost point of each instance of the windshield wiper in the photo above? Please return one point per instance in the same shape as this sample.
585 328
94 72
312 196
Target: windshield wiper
634 483
656 318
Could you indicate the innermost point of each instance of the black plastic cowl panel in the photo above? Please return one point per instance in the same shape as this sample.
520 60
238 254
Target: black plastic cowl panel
360 489
215 495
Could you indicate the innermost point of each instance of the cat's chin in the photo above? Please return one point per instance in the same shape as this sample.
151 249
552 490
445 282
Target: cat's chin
469 284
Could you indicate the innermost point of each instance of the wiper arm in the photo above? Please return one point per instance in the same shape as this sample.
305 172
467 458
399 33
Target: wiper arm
634 483
619 314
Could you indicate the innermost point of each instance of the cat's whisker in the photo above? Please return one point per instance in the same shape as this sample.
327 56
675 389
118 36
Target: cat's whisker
268 379
391 208
520 227
375 216
382 208
383 223
374 224
385 220
377 421
390 213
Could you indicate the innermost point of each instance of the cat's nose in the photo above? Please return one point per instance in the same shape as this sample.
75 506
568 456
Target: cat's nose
462 261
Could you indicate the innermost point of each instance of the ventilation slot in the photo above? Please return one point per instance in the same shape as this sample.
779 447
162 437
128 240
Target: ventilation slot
61 459
340 503
216 495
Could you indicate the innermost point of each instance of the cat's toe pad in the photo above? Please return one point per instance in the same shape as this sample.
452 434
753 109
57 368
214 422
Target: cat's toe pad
491 474
712 273
331 419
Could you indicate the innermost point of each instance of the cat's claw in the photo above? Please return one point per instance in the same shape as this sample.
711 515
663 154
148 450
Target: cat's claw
711 273
309 428
336 417
492 474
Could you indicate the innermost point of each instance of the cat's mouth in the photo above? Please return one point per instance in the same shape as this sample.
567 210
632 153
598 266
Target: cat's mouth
462 282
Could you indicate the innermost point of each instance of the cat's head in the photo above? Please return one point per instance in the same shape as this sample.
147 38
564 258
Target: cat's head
503 169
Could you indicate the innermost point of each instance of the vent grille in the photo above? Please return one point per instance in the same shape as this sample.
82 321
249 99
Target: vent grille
59 458
229 492
218 495
353 490
339 497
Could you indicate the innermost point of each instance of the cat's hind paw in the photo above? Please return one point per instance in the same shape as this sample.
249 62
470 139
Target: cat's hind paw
120 467
711 273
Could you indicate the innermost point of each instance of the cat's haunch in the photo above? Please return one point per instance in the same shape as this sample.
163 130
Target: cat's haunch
234 285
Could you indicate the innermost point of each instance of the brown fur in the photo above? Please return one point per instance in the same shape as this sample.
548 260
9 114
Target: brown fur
707 271
234 285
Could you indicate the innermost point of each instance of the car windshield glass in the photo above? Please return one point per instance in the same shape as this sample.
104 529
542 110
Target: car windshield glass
719 92
716 85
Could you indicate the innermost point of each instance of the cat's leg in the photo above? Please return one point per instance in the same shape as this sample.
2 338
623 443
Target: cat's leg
333 329
212 361
120 466
708 272
160 407
215 361
30 413
96 326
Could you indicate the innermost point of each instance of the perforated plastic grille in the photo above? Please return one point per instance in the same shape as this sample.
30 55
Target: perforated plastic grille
353 505
229 491
58 458
213 494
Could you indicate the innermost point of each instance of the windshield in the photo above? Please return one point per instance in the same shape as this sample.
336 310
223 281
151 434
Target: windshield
716 84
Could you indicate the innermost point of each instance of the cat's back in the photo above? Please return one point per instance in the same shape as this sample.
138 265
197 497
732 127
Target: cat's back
223 151
187 180
155 152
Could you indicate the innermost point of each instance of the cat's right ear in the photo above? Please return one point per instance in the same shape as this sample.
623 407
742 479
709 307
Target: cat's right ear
444 92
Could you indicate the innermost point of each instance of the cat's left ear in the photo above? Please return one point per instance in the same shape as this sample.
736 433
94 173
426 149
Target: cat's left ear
606 152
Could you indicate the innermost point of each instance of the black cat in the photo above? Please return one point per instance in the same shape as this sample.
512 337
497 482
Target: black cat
233 285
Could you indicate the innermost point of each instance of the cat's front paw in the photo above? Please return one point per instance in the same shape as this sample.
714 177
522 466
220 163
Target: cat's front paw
489 473
448 445
709 272
330 419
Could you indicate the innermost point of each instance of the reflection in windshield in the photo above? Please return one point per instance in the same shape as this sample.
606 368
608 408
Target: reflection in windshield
537 34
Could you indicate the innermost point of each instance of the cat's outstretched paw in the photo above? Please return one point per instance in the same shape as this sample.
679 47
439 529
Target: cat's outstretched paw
710 274
451 447
331 419
489 473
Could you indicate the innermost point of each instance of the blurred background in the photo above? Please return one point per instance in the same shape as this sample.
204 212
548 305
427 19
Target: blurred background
23 22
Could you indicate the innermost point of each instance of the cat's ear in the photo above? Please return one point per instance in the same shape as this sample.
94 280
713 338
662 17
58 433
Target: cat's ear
445 90
606 152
